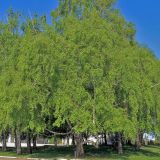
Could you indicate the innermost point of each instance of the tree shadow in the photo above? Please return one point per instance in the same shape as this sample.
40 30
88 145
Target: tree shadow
50 152
150 153
105 152
153 146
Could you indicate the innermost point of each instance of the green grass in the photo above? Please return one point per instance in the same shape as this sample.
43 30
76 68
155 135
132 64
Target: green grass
104 153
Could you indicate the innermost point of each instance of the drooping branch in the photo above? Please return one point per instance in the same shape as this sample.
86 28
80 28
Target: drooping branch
57 133
155 85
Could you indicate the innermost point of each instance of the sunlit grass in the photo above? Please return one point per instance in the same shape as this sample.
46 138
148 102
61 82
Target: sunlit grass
104 153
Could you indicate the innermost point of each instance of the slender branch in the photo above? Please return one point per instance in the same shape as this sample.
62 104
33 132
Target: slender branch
42 134
155 85
57 133
69 124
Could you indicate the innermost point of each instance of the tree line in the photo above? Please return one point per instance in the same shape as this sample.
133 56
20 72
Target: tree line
84 74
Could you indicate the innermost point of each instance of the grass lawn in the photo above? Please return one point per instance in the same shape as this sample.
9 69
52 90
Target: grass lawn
104 153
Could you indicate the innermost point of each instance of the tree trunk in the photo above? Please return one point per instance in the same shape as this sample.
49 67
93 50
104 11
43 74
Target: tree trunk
35 142
4 142
29 147
119 143
55 140
18 142
105 139
15 137
138 143
73 140
97 142
67 140
79 152
141 137
129 142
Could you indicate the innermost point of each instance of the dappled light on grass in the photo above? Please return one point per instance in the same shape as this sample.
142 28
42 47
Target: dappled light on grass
103 153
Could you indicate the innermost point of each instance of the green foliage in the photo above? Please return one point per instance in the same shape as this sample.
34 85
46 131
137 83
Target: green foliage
85 72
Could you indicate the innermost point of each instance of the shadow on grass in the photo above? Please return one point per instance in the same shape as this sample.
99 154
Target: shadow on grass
52 152
153 146
103 153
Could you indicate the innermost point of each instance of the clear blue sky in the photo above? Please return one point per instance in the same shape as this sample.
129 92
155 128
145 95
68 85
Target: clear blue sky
143 13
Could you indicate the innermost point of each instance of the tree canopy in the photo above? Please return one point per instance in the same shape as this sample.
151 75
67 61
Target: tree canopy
85 74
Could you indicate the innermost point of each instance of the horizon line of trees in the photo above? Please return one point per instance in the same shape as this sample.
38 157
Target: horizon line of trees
83 75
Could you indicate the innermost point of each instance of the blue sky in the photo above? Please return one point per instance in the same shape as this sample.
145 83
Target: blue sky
143 13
